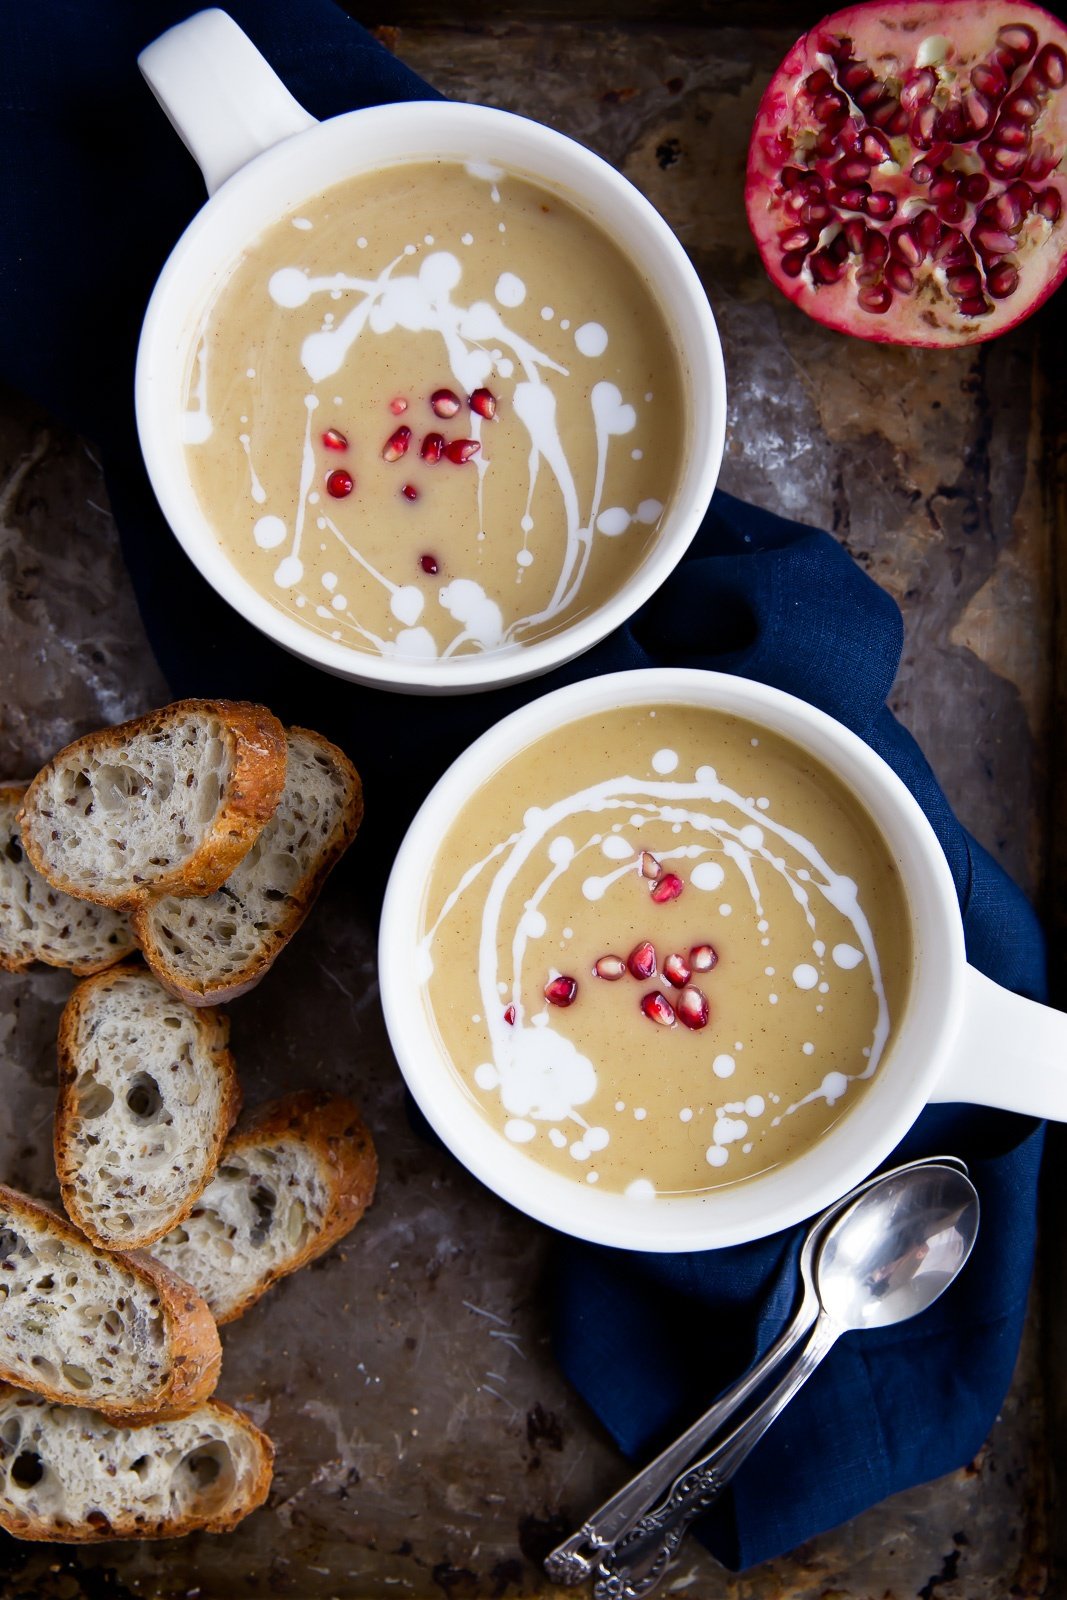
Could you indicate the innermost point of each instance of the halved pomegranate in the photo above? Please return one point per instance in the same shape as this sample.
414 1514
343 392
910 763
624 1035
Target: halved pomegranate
905 179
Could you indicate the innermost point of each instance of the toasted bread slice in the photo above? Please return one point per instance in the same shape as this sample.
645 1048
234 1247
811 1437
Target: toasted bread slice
39 923
214 948
288 1186
70 1476
166 804
147 1095
84 1327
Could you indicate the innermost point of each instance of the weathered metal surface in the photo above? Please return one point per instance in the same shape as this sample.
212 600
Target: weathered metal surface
426 1444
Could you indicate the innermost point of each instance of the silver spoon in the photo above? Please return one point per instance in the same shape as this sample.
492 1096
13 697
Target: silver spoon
885 1258
576 1559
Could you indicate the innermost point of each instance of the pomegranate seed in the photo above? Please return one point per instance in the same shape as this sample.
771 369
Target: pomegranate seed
901 278
1048 205
461 450
658 1009
871 95
817 212
881 204
953 210
922 172
483 403
433 447
919 88
796 239
852 169
989 79
953 247
1008 209
973 307
1012 136
334 439
951 126
1002 281
964 281
924 127
677 971
830 107
838 248
793 263
444 403
945 186
854 234
410 492
904 245
1019 39
818 82
876 298
668 888
693 1009
1051 66
1043 160
429 564
509 1016
1020 107
978 109
824 268
340 483
650 867
796 178
993 241
975 187
642 960
927 230
610 968
856 75
703 957
396 445
398 407
1007 164
561 991
875 250
854 199
876 146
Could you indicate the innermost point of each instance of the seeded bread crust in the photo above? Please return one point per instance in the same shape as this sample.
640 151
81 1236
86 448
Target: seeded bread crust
188 1341
99 1481
56 813
210 950
217 1253
40 923
103 1196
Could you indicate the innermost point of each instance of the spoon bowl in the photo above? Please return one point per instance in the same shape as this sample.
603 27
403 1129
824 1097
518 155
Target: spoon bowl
897 1248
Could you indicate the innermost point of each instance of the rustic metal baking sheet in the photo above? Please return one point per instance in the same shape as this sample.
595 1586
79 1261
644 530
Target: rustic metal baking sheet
426 1444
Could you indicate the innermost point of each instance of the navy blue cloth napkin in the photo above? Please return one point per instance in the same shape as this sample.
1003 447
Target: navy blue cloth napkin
96 190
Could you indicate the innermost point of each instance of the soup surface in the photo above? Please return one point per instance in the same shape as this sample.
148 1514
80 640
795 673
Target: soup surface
435 411
664 949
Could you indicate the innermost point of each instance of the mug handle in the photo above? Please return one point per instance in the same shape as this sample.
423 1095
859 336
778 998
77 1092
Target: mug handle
226 103
1010 1053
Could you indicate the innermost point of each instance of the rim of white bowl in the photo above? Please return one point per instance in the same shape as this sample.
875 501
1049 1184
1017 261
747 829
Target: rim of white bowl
752 1207
272 174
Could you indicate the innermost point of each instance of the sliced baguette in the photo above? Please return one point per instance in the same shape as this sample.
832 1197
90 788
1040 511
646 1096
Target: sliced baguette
69 1475
147 1095
214 948
84 1327
166 804
39 923
288 1186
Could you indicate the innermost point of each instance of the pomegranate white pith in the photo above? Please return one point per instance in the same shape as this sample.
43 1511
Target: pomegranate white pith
905 179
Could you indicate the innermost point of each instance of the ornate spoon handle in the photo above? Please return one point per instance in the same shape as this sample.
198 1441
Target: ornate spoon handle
638 1562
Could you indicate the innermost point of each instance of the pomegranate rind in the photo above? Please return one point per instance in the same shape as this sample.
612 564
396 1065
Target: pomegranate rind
894 40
